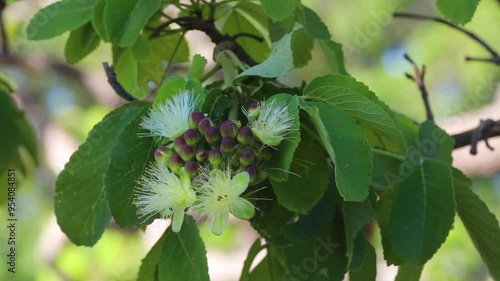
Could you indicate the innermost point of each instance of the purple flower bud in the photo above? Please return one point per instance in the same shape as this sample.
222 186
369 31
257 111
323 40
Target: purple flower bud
187 152
228 129
204 124
253 110
247 157
265 154
192 137
245 135
191 168
215 157
178 143
175 163
227 145
201 156
195 118
252 171
163 154
212 136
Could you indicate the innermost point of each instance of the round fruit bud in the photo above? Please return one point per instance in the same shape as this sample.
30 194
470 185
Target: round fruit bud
201 156
245 135
204 124
212 136
253 110
163 154
191 168
252 171
265 154
175 163
247 157
187 152
262 175
192 137
195 118
227 145
228 129
215 157
178 143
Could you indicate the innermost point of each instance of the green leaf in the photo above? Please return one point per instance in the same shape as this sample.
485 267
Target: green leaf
435 143
479 222
302 46
423 209
124 20
80 43
356 216
128 161
334 55
278 9
7 84
347 147
59 17
280 61
252 253
368 269
17 133
174 85
383 212
308 180
458 11
353 97
80 202
197 67
311 225
277 167
313 25
237 20
149 266
184 255
142 49
270 267
215 103
409 272
270 218
320 259
98 20
386 169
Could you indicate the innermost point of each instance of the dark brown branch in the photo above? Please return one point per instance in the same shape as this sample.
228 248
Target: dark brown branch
495 58
486 129
244 34
3 33
419 80
208 27
113 81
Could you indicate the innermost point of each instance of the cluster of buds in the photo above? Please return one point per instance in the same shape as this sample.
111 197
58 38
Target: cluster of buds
204 166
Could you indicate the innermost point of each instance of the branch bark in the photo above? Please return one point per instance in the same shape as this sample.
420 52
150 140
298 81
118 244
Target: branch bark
487 129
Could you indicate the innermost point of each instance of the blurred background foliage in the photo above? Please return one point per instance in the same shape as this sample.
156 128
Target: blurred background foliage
63 103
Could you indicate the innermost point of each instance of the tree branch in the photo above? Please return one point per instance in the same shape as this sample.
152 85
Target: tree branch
113 81
419 80
495 58
487 128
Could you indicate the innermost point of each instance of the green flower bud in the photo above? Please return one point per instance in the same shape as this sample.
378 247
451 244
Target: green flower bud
201 156
192 137
253 110
215 157
204 125
247 157
195 118
178 143
163 154
191 168
186 152
227 145
175 163
228 129
212 136
252 171
245 135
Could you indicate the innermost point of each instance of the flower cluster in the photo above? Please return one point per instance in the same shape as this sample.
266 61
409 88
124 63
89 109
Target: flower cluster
206 167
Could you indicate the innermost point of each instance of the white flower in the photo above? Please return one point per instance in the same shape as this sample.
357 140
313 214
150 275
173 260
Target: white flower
219 195
170 119
272 124
161 191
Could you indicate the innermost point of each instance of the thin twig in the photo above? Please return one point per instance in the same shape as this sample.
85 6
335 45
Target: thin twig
172 56
419 80
3 33
487 128
495 58
250 35
113 81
